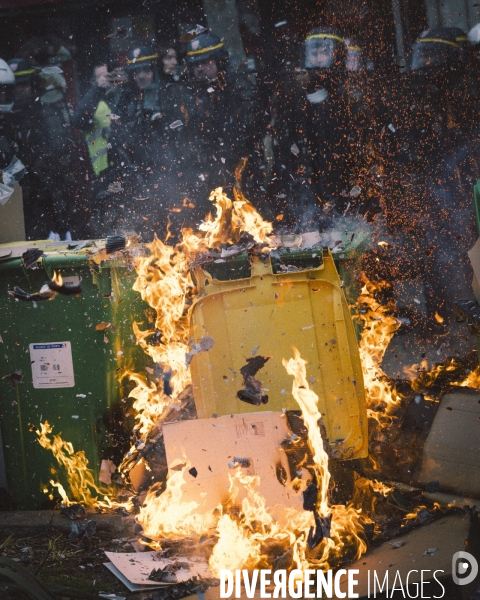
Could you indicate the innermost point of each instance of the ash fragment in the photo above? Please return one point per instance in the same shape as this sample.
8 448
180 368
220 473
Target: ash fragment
168 573
74 512
45 293
164 575
81 534
205 344
30 257
239 462
13 378
310 496
281 474
252 393
320 531
322 524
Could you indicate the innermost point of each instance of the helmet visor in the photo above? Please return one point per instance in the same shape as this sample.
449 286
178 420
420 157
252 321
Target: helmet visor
320 52
430 54
7 94
354 60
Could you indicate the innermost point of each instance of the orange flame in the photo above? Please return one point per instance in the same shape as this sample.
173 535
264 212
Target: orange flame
231 220
80 478
243 530
307 400
58 279
166 515
378 329
472 380
165 283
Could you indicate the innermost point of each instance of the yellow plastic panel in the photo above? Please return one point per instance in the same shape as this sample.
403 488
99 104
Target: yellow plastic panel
267 315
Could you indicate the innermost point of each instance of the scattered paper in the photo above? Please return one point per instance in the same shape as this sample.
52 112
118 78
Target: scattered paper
106 469
134 568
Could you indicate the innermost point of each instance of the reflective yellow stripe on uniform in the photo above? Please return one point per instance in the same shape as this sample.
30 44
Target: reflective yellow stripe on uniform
20 73
97 140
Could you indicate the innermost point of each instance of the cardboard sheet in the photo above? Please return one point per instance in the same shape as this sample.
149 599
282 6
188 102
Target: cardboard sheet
209 445
474 256
132 587
451 450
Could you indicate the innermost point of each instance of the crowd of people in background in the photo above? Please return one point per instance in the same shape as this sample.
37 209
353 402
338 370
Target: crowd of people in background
330 134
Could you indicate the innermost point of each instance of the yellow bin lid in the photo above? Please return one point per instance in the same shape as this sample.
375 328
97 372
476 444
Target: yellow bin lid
269 307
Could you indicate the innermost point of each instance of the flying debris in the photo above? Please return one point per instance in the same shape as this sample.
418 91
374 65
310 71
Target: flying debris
205 344
48 291
120 34
57 285
52 70
45 293
115 243
30 258
252 393
115 187
192 34
14 378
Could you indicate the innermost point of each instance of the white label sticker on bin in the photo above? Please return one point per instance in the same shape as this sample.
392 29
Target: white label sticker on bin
52 365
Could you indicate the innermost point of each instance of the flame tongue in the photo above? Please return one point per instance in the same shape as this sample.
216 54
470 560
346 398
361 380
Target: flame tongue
57 279
339 527
379 327
232 219
164 282
80 478
244 532
307 400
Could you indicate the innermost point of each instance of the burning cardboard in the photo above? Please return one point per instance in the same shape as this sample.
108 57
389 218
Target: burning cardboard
211 444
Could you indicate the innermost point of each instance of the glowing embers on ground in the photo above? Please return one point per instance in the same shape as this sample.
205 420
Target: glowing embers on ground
247 533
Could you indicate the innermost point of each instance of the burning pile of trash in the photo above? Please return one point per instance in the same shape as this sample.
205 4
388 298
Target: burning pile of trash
263 438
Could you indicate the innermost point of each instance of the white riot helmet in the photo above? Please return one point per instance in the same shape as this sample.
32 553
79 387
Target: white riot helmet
7 87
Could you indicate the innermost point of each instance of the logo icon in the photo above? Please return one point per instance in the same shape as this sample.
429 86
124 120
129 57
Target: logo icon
460 568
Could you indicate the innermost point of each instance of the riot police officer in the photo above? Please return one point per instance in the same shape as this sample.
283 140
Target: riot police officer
312 130
215 138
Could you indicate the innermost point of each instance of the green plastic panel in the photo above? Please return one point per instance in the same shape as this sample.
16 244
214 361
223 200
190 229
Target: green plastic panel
81 413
